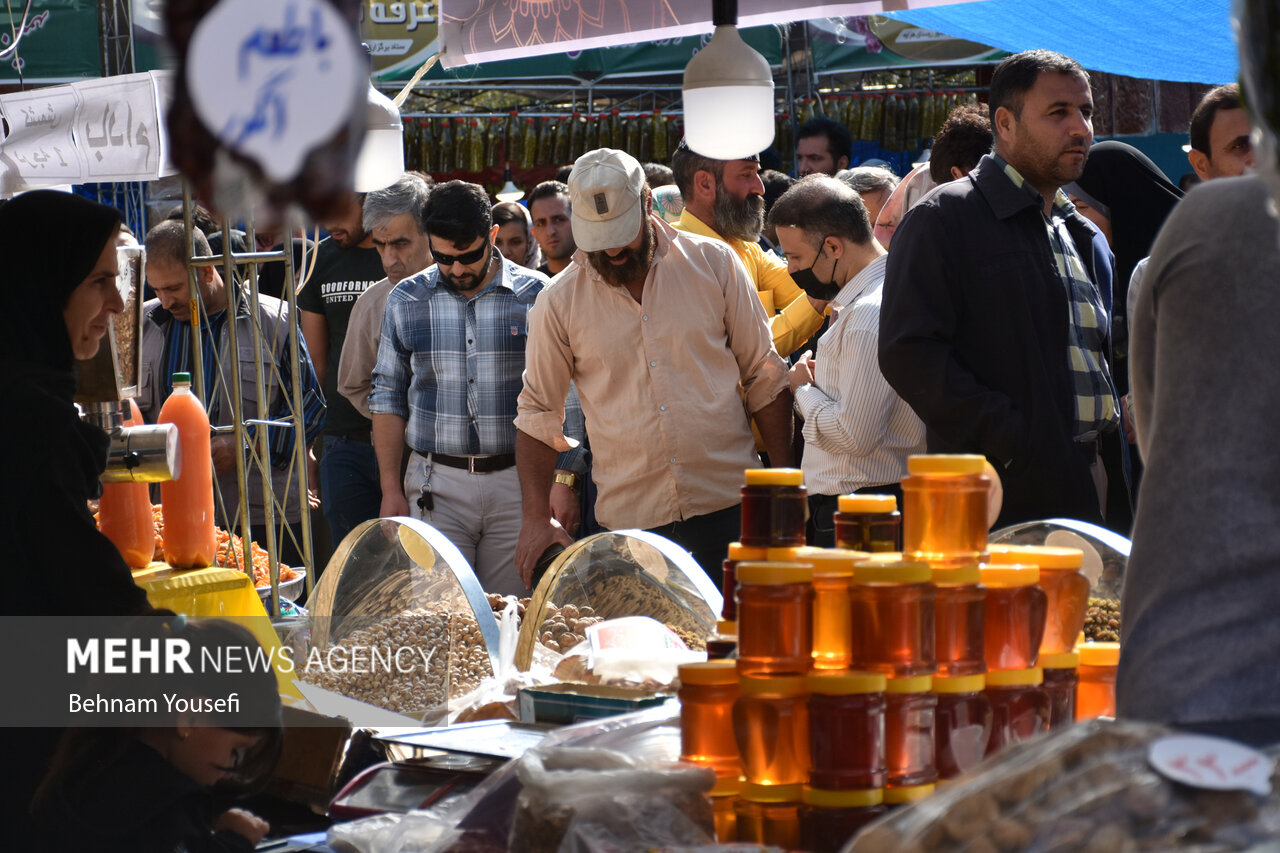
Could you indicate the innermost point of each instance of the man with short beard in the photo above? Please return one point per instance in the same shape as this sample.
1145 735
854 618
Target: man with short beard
724 200
445 385
658 329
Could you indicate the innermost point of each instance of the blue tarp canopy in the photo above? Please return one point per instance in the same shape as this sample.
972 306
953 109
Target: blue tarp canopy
1184 40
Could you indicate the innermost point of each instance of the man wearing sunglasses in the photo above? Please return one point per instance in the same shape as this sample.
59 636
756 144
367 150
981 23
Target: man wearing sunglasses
445 386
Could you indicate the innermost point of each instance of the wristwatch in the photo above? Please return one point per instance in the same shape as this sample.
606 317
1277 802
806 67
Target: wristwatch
568 478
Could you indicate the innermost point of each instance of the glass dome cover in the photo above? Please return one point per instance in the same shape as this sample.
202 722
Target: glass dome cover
1105 552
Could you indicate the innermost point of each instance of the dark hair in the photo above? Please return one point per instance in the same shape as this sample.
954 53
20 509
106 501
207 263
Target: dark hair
1015 76
1221 98
459 212
685 163
562 174
509 212
658 175
961 142
839 140
201 217
407 195
821 206
167 243
775 184
548 189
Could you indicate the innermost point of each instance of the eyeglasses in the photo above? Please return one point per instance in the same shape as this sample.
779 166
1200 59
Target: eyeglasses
466 258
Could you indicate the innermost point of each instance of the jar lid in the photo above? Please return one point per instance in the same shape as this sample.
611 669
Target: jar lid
911 684
774 477
867 503
1044 556
834 561
908 794
1015 677
854 799
959 683
754 793
1061 660
946 463
1099 654
709 672
729 786
1010 574
968 575
837 682
788 554
773 573
739 552
781 685
895 571
727 627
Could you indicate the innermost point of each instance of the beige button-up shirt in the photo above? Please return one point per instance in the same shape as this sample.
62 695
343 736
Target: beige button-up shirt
659 380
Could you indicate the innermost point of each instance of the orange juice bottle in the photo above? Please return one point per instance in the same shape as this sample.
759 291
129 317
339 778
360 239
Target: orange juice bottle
124 513
189 539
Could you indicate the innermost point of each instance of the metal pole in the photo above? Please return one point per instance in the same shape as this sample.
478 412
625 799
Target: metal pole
299 410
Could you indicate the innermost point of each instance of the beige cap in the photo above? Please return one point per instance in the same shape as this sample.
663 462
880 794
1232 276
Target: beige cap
605 190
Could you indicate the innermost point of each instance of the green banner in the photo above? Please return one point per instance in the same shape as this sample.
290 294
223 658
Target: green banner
58 44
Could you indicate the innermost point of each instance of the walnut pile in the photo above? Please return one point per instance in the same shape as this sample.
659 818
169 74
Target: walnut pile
566 626
409 662
1102 620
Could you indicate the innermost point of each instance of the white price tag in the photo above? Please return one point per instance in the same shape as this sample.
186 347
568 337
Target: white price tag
274 80
1211 762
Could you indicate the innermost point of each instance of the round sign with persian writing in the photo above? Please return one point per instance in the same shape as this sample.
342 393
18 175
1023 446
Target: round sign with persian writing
274 80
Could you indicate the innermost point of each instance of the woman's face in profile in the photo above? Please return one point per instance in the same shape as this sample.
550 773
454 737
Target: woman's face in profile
89 308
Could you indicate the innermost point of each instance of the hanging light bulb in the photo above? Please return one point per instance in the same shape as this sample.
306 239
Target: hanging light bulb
509 191
380 162
728 93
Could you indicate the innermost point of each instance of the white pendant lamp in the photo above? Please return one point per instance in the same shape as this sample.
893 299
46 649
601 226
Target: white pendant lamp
728 93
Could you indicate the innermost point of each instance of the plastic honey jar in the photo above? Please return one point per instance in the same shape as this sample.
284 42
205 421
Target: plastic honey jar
1019 706
893 618
775 618
738 553
707 692
846 730
771 727
724 799
828 819
909 720
1060 681
832 628
869 523
962 724
770 815
959 621
1066 589
944 509
773 507
1013 617
1096 693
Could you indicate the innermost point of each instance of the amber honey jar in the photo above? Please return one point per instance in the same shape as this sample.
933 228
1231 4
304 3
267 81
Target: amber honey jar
846 730
832 628
1096 693
962 723
775 618
771 728
707 692
738 553
909 720
724 799
869 523
773 507
893 618
770 815
1013 616
958 620
828 819
1060 682
944 509
1066 589
1020 707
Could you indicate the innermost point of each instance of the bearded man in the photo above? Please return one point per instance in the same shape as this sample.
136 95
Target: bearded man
445 386
724 200
657 329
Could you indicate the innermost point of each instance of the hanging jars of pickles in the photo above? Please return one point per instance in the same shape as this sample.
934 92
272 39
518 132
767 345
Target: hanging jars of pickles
475 147
927 114
782 140
853 118
632 145
872 118
560 146
658 135
514 132
591 134
912 137
496 144
617 130
675 132
529 152
444 147
546 142
894 122
409 133
461 145
428 150
577 137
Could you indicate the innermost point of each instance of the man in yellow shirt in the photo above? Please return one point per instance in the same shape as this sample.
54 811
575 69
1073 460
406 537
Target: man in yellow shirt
724 200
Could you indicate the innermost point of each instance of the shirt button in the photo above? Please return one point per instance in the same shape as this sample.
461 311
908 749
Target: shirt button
472 381
662 408
470 341
645 317
672 460
653 364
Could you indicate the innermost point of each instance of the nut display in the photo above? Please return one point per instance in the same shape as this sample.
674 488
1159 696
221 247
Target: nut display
1102 620
429 654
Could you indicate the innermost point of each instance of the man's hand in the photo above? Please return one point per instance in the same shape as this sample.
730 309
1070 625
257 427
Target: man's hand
243 823
393 503
223 449
565 507
536 537
802 371
313 479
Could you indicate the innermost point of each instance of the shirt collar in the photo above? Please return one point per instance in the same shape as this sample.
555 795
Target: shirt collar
868 277
1061 203
692 224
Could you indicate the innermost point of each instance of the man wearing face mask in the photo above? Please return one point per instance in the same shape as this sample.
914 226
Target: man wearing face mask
445 386
858 432
724 200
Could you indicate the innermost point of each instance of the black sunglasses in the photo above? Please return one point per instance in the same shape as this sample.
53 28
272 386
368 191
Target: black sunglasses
466 258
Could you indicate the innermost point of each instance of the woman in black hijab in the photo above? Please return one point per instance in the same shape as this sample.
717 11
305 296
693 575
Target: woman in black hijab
1127 197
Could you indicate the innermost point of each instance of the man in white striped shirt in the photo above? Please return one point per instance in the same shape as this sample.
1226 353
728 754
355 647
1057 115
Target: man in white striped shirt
858 432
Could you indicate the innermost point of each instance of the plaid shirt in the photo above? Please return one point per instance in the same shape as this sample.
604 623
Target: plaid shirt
1088 324
453 367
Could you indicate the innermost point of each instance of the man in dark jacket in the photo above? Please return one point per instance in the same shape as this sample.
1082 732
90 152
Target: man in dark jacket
994 324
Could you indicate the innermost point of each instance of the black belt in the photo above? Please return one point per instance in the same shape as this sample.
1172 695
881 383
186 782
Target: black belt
476 464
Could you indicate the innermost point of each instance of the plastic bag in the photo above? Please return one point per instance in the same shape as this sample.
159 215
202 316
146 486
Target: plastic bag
588 798
1087 788
497 696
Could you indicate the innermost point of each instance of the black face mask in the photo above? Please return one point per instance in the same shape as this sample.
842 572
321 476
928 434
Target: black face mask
823 291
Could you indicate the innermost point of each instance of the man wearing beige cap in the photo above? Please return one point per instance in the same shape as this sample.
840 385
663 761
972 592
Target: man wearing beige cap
657 328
